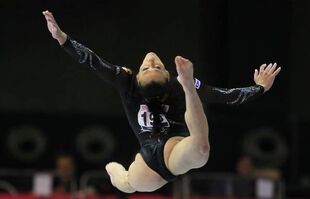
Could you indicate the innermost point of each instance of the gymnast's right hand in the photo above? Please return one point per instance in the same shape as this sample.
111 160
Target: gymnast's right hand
54 29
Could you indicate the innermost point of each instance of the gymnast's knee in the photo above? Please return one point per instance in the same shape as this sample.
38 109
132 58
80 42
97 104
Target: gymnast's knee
201 156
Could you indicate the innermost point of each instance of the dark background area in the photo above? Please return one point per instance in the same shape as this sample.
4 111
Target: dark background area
41 85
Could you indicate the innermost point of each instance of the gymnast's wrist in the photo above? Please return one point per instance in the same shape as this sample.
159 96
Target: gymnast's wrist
62 38
262 88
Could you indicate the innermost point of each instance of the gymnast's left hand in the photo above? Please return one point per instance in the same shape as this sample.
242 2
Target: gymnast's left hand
266 75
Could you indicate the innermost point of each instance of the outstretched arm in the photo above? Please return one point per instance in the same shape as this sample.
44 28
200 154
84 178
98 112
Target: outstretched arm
84 55
264 78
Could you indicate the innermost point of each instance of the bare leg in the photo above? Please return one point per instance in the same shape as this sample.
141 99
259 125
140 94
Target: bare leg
139 177
193 151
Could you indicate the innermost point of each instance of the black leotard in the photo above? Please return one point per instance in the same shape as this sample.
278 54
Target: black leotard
172 109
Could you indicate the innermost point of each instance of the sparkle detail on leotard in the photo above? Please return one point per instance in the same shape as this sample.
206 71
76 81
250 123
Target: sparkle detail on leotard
244 93
87 54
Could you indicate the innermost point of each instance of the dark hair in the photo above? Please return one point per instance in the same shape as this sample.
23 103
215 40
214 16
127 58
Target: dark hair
154 94
154 91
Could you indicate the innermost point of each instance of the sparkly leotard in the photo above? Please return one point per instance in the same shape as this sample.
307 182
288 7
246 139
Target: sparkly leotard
172 109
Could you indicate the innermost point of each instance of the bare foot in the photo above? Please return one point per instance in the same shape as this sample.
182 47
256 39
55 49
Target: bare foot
185 72
114 170
119 177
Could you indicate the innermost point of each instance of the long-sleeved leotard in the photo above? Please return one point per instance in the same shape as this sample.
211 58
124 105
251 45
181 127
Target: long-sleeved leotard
111 73
233 96
171 113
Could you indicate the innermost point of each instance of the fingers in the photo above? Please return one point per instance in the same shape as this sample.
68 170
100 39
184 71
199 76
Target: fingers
262 68
255 73
272 70
49 16
46 12
269 69
274 66
275 73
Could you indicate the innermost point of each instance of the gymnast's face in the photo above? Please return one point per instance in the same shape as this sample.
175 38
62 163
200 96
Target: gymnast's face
152 70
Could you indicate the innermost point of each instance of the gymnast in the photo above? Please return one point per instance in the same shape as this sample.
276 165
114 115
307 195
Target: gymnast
166 113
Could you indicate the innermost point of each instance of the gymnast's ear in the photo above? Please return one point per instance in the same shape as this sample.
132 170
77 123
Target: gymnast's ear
138 76
167 73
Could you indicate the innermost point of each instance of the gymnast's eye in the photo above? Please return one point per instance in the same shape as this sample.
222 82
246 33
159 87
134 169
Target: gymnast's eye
145 68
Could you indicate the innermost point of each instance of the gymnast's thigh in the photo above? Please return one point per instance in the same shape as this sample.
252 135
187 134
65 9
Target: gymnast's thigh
143 178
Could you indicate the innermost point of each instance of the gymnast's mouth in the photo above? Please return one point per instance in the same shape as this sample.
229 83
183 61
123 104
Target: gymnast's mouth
153 70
